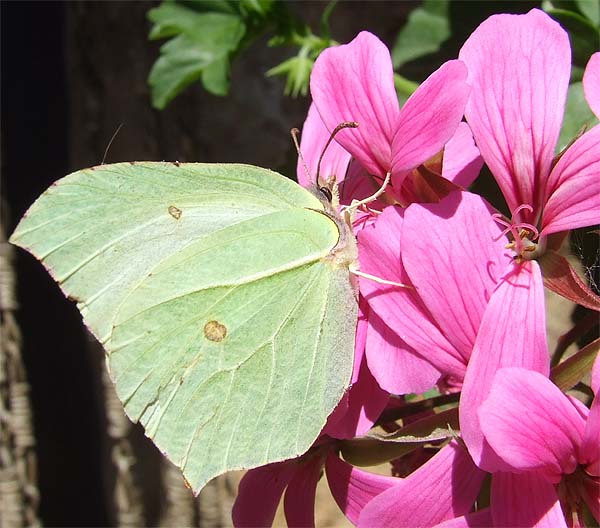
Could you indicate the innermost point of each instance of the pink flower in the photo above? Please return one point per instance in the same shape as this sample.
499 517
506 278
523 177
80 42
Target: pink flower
378 110
472 310
355 82
519 68
261 489
540 432
445 487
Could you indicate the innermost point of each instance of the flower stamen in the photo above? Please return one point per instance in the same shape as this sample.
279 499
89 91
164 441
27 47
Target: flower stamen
524 235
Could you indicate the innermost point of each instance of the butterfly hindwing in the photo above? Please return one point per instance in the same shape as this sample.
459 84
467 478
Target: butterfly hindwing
229 331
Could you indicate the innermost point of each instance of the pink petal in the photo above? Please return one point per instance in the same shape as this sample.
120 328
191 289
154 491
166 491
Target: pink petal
480 519
353 488
399 308
525 500
444 487
299 500
574 186
358 185
430 116
312 142
259 494
397 368
531 424
591 83
462 160
519 68
512 334
589 454
355 82
454 240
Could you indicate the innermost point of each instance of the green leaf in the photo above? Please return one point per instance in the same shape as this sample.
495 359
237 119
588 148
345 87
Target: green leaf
591 10
376 448
584 36
203 6
202 49
229 329
259 7
215 77
571 371
325 16
297 73
577 116
404 88
427 28
170 19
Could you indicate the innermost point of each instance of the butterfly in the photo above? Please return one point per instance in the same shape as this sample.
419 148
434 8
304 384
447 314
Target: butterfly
222 295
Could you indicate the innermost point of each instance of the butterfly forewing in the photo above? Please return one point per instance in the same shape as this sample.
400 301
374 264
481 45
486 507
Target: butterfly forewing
229 331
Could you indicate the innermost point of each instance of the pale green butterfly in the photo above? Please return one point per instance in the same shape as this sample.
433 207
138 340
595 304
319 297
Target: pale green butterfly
222 296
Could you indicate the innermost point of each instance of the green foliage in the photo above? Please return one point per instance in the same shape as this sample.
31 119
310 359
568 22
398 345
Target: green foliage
229 332
571 371
206 36
427 28
580 20
404 87
297 72
577 116
203 41
591 10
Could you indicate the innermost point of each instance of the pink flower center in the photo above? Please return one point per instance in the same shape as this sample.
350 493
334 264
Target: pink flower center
526 242
571 491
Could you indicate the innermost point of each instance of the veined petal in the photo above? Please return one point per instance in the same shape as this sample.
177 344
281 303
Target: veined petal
358 185
574 186
531 424
512 334
591 83
259 494
462 160
299 500
519 68
430 117
353 488
401 309
526 499
480 519
312 142
444 487
355 82
454 240
589 454
397 368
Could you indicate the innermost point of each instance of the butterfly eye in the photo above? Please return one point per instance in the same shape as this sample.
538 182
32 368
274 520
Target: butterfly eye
327 193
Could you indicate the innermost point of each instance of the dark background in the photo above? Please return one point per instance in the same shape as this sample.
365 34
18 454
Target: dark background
71 73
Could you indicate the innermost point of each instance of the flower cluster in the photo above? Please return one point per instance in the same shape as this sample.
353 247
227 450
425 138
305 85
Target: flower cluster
470 320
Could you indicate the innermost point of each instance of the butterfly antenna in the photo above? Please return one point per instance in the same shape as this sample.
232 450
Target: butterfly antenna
341 126
294 132
110 142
